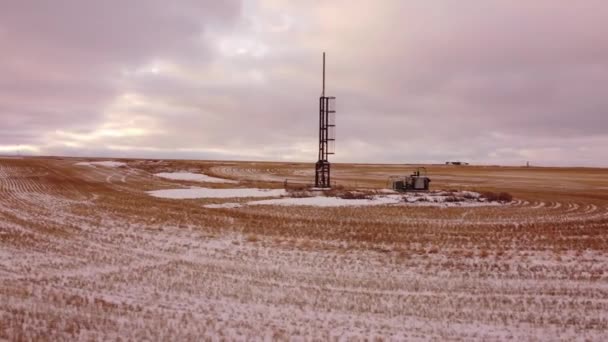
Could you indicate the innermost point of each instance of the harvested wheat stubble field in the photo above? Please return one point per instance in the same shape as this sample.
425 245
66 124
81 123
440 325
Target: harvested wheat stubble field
87 253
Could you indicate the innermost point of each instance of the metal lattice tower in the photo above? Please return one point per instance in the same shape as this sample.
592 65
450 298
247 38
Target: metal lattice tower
327 136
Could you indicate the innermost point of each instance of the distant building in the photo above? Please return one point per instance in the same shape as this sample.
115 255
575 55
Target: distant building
456 163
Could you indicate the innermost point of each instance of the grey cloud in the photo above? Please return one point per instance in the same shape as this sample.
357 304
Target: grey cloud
62 60
111 31
486 81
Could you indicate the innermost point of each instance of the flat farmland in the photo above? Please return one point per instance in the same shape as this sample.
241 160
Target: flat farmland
87 253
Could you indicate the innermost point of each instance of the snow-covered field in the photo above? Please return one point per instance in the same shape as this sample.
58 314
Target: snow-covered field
194 177
106 163
86 253
320 199
196 192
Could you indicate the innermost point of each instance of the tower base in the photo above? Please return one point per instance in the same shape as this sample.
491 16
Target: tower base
322 178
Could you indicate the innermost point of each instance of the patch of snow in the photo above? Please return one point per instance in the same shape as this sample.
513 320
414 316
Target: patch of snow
102 163
194 192
386 191
447 199
470 193
222 205
195 177
430 199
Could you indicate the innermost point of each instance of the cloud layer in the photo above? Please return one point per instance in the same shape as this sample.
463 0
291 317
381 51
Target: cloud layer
482 81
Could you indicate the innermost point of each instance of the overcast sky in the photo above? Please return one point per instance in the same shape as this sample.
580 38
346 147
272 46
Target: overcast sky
483 81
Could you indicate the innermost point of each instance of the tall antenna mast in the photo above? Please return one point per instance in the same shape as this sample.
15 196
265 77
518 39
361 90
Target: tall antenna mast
327 125
323 92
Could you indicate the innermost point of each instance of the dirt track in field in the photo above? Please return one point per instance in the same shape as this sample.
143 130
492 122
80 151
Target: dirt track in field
86 253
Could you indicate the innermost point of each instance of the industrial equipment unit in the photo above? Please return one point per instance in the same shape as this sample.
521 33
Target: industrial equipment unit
417 181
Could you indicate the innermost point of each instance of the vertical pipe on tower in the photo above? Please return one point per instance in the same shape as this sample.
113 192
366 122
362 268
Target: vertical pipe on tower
323 93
